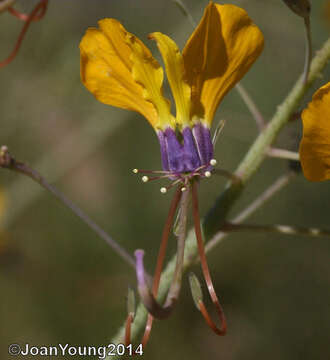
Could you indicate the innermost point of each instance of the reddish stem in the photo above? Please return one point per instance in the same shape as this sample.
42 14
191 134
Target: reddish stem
164 240
220 331
147 330
42 7
25 17
159 265
128 326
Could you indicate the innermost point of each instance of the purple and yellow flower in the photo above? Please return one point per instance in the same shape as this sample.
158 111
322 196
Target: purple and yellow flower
315 144
121 71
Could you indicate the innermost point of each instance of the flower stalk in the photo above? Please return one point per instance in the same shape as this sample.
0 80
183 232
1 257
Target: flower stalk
148 297
206 272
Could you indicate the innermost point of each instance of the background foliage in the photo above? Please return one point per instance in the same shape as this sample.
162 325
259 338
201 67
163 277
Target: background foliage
61 283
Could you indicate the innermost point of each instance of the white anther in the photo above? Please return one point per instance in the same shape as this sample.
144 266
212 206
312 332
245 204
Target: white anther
135 171
183 188
163 190
145 178
207 174
213 162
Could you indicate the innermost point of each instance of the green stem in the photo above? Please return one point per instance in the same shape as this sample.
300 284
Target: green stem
251 162
258 151
278 228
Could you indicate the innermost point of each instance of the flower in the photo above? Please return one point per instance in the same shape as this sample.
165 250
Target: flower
315 144
121 71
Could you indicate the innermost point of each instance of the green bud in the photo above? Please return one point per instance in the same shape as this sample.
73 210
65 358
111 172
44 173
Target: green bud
131 302
196 289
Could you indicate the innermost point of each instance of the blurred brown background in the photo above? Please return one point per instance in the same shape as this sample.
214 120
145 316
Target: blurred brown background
60 283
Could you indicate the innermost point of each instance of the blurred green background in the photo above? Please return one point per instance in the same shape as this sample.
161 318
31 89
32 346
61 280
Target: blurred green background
60 283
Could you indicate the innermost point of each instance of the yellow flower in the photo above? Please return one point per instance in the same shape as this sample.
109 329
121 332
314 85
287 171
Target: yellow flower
121 71
315 144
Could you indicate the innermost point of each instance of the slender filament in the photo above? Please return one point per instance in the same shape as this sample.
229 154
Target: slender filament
147 296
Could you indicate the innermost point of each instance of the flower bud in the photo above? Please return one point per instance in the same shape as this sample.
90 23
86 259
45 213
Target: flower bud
196 289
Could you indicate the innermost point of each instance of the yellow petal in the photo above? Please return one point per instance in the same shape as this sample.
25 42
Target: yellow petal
219 52
315 144
175 72
107 70
147 72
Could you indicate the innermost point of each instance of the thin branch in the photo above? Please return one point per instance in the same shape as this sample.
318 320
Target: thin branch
227 174
251 105
277 228
278 184
283 154
79 143
8 162
308 48
185 12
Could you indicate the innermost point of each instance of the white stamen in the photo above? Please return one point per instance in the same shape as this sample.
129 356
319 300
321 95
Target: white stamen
213 162
145 178
163 190
183 188
207 174
135 171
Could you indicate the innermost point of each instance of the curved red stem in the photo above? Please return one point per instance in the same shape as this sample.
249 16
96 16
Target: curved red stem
206 272
36 14
158 270
25 17
128 326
